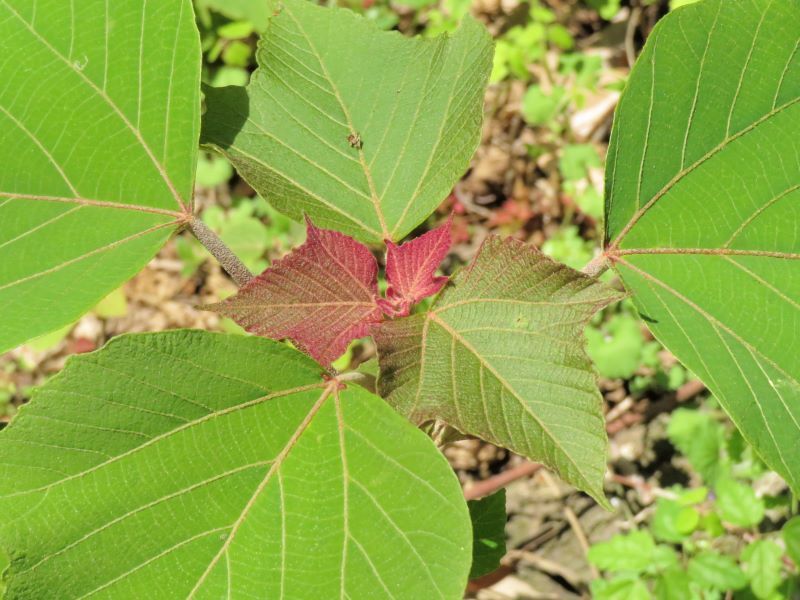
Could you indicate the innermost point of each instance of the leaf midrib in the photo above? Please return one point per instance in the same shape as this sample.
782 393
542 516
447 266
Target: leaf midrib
614 245
489 367
705 252
709 317
716 326
376 202
328 390
96 203
169 433
111 104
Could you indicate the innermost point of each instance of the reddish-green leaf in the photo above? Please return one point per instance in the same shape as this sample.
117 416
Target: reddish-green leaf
321 296
411 269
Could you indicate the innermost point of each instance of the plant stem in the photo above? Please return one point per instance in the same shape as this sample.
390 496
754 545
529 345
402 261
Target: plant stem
233 266
597 266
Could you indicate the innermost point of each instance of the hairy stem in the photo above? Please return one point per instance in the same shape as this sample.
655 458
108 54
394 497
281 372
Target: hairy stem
597 266
233 266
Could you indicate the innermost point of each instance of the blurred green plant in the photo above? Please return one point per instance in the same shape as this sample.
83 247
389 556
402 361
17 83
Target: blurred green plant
523 45
711 540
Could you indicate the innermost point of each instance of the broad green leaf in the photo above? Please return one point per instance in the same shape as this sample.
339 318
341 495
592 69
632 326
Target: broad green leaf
500 355
365 131
737 503
703 205
488 533
196 465
716 571
763 566
99 113
632 552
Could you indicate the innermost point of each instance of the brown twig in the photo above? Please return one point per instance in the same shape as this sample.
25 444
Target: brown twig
501 480
689 390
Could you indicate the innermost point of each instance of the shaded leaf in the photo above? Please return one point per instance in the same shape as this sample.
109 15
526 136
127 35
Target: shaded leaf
488 533
791 537
366 131
99 150
321 296
411 269
500 356
700 438
191 464
702 207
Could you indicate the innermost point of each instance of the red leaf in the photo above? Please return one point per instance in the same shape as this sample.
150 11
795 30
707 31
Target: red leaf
411 268
321 296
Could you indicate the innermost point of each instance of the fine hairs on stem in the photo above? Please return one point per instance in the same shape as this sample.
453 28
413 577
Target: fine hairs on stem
232 264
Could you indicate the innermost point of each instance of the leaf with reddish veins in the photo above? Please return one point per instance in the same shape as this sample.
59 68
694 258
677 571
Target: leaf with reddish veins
411 268
321 296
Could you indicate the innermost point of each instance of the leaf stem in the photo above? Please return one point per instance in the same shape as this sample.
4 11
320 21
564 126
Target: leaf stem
232 264
597 266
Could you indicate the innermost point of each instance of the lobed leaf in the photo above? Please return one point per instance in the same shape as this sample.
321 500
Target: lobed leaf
321 296
703 206
365 131
411 269
190 465
500 355
100 116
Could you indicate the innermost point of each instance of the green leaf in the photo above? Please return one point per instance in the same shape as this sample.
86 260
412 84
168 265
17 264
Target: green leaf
737 503
500 356
664 558
762 563
488 533
632 552
192 464
702 206
791 537
539 107
100 114
113 305
620 588
256 12
616 346
365 131
665 524
700 438
674 584
716 571
576 160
